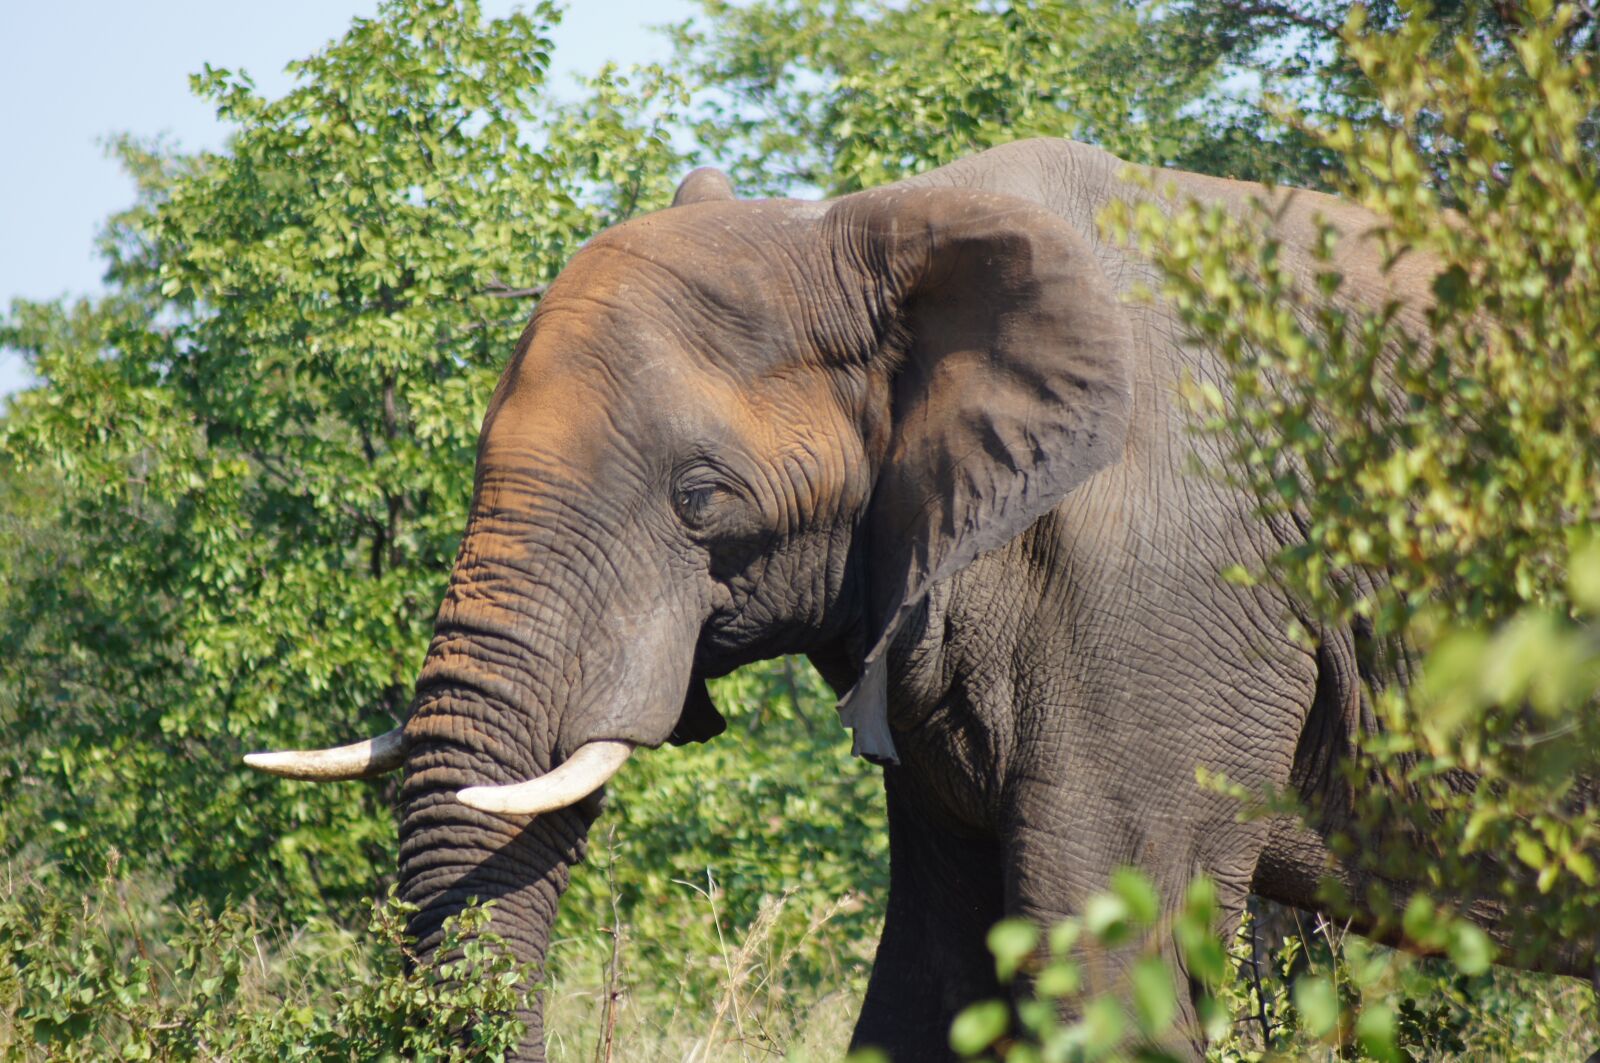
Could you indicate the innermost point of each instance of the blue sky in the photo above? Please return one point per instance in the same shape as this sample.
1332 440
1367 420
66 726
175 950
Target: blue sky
72 74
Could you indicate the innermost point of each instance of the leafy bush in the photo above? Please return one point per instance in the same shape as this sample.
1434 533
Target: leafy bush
1450 453
1109 967
81 978
1441 461
1321 993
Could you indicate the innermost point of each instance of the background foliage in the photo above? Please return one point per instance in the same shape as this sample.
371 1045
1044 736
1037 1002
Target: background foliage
230 505
1446 474
1443 466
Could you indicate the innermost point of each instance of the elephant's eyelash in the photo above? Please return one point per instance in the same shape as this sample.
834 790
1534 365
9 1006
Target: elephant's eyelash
690 497
694 502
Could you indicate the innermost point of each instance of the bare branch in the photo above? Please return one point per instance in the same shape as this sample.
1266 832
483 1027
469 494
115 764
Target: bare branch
499 289
1284 13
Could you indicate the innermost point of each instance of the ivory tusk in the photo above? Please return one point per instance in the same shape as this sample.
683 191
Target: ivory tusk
359 760
579 776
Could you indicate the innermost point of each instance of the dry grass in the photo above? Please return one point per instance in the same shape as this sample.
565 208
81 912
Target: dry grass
754 1016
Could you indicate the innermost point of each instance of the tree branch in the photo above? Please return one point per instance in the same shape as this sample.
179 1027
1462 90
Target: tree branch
499 289
1287 14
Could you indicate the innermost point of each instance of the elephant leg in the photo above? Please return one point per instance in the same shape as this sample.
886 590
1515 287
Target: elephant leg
933 960
1057 863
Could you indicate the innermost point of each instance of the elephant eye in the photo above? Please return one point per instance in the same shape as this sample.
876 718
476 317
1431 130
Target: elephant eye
715 506
695 503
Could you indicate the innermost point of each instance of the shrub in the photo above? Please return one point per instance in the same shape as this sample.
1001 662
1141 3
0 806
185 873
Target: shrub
84 978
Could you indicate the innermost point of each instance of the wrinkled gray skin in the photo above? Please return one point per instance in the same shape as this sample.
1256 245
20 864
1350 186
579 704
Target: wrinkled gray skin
916 434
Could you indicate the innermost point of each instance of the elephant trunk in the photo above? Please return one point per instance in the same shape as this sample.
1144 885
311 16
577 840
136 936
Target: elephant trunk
453 855
542 676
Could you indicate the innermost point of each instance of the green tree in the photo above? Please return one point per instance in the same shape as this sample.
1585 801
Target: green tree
263 438
85 979
236 493
1294 51
846 94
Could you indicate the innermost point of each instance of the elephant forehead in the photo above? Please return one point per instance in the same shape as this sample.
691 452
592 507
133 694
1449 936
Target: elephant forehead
628 325
785 429
735 267
642 397
640 291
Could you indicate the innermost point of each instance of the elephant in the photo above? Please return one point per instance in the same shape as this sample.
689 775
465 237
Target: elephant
920 434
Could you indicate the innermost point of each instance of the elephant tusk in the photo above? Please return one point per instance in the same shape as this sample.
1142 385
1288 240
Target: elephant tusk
579 776
359 760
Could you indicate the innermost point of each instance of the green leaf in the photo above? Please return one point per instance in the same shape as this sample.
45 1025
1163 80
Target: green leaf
1470 948
1011 941
1105 916
1530 851
1583 576
1451 286
1137 894
1059 981
978 1026
1317 1003
1376 1032
1101 1029
1154 1001
1063 936
1423 924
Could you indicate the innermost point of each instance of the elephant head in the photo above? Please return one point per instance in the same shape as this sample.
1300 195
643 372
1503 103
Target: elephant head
732 430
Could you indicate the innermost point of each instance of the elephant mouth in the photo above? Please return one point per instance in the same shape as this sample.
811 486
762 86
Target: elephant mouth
699 721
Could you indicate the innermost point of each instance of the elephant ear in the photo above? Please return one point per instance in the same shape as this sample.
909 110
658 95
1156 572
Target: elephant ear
704 185
1008 361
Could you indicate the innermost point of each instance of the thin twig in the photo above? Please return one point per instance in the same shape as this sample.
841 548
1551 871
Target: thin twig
614 964
499 289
